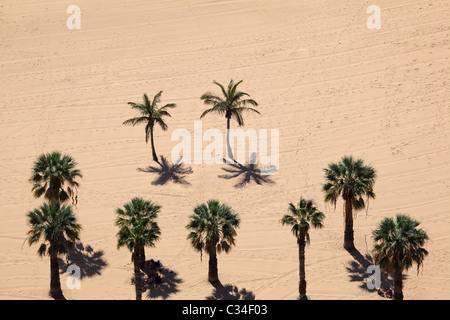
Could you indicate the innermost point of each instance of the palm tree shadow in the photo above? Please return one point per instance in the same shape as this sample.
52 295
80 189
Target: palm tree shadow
89 261
169 285
247 173
167 172
229 292
358 272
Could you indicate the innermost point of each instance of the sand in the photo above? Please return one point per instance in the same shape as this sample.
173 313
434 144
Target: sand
330 85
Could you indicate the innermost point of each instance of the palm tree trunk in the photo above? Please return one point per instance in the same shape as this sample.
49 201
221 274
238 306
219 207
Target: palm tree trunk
229 151
213 273
348 233
398 286
142 255
155 157
137 280
52 193
55 284
301 257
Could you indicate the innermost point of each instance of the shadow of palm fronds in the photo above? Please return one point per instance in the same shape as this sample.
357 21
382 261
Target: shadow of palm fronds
89 261
168 286
246 173
169 172
358 271
230 292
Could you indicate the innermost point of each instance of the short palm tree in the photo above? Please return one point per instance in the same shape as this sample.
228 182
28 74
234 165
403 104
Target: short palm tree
151 114
56 225
231 104
301 218
138 229
397 246
352 180
54 176
213 228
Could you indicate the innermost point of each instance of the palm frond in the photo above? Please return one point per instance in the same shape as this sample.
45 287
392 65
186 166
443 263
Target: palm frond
213 227
232 102
398 244
300 217
135 121
137 224
56 225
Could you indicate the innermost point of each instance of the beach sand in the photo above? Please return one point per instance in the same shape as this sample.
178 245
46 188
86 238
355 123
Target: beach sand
330 85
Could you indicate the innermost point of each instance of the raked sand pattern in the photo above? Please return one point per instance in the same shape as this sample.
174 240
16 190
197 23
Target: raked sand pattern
328 83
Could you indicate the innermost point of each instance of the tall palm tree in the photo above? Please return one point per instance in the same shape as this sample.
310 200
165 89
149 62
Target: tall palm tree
151 114
213 228
56 225
352 180
54 176
301 218
138 229
231 104
398 245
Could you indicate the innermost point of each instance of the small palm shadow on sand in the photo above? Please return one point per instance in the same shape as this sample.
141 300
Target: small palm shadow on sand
168 286
230 292
246 173
89 261
358 271
169 172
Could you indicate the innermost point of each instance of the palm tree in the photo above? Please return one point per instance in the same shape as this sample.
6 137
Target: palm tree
213 228
300 219
54 176
137 229
57 226
352 180
398 245
231 104
151 115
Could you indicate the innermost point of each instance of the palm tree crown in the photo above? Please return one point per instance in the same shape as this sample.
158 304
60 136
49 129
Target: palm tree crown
399 244
56 225
137 225
150 114
301 217
213 227
231 104
53 175
350 179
